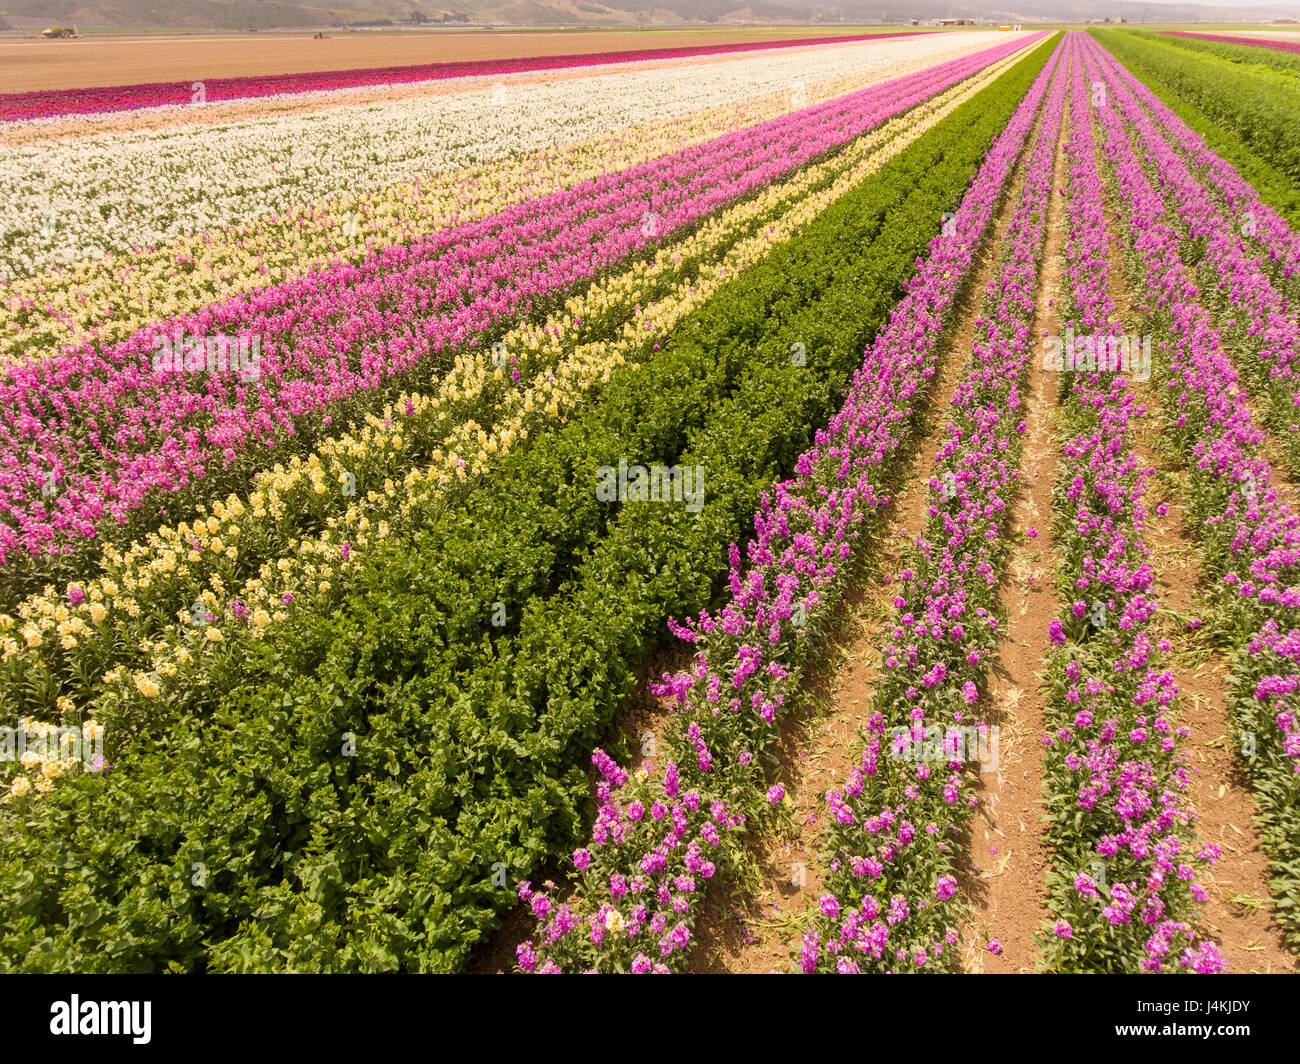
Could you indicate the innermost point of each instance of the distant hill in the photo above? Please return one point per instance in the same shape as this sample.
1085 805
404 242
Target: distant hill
275 14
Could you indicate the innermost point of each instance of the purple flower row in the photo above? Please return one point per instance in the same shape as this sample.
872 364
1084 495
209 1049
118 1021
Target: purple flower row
1254 316
891 903
1250 533
657 841
1116 781
1254 42
89 436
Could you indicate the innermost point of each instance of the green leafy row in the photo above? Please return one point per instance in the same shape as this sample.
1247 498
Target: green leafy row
1286 63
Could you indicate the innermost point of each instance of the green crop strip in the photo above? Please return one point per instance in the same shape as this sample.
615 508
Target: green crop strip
1247 54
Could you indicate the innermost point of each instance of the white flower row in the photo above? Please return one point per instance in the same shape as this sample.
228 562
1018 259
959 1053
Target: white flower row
71 200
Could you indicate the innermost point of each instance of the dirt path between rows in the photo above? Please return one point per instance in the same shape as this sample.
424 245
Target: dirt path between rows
1008 854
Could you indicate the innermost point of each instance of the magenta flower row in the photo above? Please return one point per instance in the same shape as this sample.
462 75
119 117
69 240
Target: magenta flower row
109 431
1116 746
1258 42
1280 243
1252 532
891 902
42 104
1256 315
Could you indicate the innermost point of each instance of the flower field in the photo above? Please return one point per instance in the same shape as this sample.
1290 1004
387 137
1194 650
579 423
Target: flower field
823 505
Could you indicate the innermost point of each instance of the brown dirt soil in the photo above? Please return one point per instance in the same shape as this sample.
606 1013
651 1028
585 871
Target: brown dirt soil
31 65
756 928
1239 912
1008 851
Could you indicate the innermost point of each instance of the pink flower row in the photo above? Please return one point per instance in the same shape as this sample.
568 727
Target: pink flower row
894 822
42 104
111 431
1251 532
1115 743
1258 42
1280 243
1258 317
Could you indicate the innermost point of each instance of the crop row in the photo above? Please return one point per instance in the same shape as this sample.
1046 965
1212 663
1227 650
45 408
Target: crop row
1214 44
104 432
242 565
1222 102
1250 534
1266 233
1121 886
1257 320
18 106
894 830
204 207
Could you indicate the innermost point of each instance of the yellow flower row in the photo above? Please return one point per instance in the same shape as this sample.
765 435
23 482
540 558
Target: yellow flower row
42 762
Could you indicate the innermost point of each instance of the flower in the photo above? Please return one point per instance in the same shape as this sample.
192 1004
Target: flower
146 685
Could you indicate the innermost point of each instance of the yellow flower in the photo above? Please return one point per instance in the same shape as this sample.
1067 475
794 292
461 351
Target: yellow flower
213 635
32 635
20 786
97 612
146 685
613 922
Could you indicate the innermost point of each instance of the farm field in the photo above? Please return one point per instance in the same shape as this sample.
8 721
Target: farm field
27 66
827 508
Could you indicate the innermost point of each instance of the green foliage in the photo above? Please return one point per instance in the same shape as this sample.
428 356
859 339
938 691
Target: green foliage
1248 55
